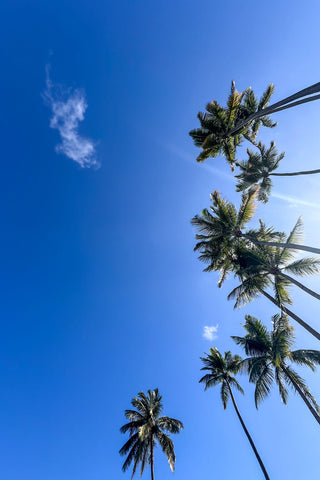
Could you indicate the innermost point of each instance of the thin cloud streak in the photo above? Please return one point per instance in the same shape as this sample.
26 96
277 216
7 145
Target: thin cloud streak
68 108
295 201
191 159
210 332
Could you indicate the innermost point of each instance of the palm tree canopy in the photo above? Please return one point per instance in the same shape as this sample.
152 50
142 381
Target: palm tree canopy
221 231
145 427
257 168
271 266
269 355
216 123
221 372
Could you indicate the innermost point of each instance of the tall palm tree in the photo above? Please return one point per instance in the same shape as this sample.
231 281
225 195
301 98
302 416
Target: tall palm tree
269 358
224 224
145 428
276 263
227 251
264 267
221 372
258 169
253 286
302 96
213 135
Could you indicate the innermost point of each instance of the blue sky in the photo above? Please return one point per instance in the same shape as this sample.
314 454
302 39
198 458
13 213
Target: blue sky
102 295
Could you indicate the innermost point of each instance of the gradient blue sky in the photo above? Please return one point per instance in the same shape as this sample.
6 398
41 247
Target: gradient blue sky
102 295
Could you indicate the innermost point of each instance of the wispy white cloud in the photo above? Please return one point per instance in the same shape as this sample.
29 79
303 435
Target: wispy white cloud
210 332
294 201
68 108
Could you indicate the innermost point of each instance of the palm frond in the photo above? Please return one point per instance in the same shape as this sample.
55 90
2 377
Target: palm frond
133 415
304 266
167 448
309 358
224 394
266 96
263 384
234 383
129 444
131 427
296 234
248 206
281 385
170 425
297 382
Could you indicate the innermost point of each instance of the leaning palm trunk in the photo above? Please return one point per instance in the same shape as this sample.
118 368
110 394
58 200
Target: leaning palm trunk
294 246
248 435
287 102
302 394
151 460
292 315
300 285
292 174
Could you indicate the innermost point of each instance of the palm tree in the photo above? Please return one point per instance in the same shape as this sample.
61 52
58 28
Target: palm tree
224 224
269 358
227 250
221 372
145 428
298 98
213 135
258 169
253 286
275 263
264 267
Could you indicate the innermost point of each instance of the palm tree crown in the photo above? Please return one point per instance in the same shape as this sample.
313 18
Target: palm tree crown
216 123
256 170
270 355
273 266
222 232
222 370
145 428
259 167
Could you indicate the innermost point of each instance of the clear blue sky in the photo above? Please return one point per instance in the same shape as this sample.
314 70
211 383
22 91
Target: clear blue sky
101 294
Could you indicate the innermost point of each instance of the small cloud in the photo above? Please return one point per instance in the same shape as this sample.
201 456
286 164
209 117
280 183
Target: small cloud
68 108
210 333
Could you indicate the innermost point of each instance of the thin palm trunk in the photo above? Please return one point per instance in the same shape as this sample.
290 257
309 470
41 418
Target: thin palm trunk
302 395
151 460
292 315
300 285
248 434
292 174
294 246
287 102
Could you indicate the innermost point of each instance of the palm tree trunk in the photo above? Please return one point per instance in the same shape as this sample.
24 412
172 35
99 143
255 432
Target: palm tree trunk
292 315
291 174
287 102
294 246
266 476
302 395
300 285
151 460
